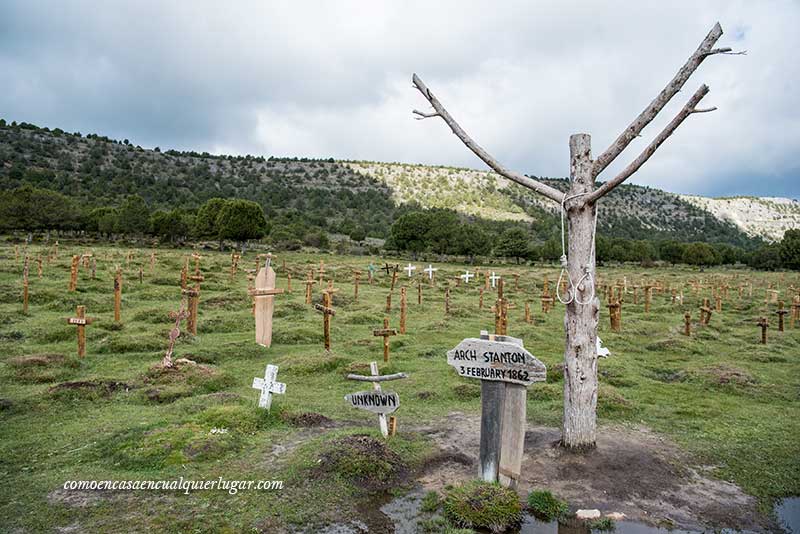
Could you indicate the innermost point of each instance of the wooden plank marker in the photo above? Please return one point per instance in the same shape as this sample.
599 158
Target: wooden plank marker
327 311
376 401
264 294
268 386
385 332
505 368
81 321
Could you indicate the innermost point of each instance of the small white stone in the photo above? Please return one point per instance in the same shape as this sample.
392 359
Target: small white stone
616 516
588 514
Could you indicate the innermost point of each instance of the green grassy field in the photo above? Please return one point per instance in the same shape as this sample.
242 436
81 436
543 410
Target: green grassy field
728 400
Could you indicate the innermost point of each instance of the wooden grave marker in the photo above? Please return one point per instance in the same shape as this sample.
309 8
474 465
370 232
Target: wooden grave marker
403 310
385 332
73 273
467 276
264 292
505 368
764 324
705 312
117 295
81 321
410 269
376 401
268 386
327 311
687 324
780 313
309 282
493 279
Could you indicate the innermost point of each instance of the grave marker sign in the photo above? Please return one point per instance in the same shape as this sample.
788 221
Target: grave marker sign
376 401
504 368
81 321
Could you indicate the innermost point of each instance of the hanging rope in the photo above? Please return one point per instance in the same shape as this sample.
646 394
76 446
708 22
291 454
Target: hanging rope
588 276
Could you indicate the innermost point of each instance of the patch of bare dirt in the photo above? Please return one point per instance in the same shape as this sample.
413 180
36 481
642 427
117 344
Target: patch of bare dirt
632 470
99 387
307 419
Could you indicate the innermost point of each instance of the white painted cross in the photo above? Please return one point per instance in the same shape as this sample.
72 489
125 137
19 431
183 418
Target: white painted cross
409 269
494 278
467 276
430 270
268 385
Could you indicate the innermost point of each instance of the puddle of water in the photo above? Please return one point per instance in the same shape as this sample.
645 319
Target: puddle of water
531 525
402 515
788 511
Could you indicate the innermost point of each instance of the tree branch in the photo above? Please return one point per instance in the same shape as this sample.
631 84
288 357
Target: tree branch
544 189
687 110
650 112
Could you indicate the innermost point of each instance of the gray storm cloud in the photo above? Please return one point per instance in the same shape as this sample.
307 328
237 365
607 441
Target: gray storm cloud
332 79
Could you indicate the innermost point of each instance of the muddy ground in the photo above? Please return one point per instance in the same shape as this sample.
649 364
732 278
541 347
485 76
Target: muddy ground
633 471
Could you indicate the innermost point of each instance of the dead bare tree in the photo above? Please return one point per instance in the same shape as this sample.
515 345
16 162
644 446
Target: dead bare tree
578 204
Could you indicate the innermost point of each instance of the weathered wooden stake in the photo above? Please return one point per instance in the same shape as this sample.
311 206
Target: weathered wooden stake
389 303
73 273
25 286
80 320
117 295
403 310
309 282
687 324
447 301
356 279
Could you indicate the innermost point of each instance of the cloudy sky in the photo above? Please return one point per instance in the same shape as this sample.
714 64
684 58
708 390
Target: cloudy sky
333 79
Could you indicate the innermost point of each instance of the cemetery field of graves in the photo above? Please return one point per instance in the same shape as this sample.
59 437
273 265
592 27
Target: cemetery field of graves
728 402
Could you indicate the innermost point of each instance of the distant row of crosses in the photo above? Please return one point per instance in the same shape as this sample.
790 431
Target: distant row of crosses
467 276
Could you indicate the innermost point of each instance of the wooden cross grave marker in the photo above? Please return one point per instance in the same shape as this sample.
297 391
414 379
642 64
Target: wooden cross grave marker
331 290
764 324
780 313
687 324
467 276
377 401
705 312
385 332
264 293
81 321
327 311
410 269
309 282
321 271
504 368
268 385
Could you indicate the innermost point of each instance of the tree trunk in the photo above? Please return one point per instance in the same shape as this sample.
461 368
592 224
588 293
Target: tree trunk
580 320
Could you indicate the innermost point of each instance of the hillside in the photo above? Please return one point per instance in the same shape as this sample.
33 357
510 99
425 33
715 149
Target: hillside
336 195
